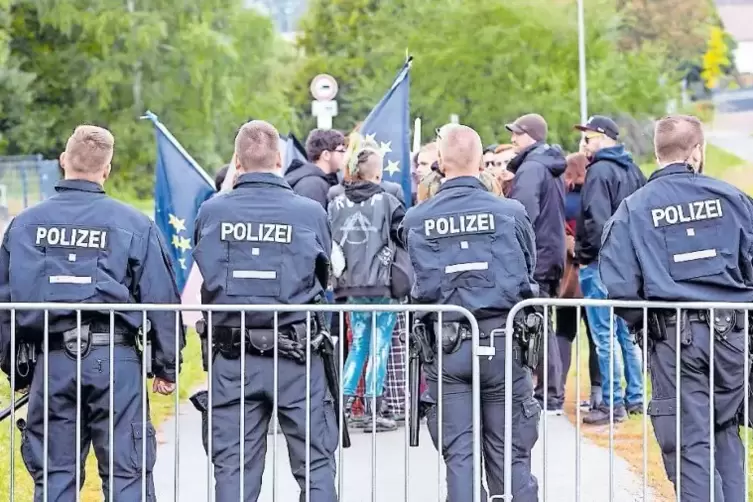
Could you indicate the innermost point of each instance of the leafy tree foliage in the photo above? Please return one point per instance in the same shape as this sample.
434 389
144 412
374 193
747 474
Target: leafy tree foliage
203 66
678 26
14 94
486 61
715 59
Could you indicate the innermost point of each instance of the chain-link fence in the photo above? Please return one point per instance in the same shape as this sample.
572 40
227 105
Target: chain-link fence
24 181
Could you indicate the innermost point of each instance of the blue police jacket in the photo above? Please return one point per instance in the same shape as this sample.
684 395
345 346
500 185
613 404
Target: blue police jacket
81 246
682 237
261 243
471 248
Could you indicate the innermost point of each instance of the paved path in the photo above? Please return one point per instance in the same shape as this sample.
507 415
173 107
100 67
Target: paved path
423 468
739 143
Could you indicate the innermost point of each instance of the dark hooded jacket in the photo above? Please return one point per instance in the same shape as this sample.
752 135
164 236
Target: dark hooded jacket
610 178
365 220
389 187
539 186
310 181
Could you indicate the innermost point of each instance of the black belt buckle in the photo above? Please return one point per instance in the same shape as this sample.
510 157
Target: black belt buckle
75 346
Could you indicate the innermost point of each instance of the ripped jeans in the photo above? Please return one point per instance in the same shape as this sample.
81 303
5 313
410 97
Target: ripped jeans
362 324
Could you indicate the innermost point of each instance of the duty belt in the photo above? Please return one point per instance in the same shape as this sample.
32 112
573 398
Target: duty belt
724 321
74 340
453 334
694 316
291 341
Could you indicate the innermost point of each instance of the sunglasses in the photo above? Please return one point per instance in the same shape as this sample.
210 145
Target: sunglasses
590 136
340 149
493 163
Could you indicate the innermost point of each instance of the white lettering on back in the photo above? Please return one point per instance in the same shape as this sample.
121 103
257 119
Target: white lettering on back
685 213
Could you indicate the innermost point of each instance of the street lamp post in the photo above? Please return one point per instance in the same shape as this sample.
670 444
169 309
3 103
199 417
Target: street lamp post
582 64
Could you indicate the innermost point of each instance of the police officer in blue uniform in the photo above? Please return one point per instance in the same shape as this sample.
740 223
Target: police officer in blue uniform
471 248
687 237
82 246
261 243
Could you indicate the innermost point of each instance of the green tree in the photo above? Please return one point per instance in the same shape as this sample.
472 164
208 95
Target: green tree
488 62
204 66
350 40
678 26
14 84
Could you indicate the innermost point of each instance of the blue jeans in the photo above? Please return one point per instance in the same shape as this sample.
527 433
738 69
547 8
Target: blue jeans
361 324
598 321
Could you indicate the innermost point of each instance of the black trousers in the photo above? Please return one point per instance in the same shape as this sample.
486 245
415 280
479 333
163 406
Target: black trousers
567 327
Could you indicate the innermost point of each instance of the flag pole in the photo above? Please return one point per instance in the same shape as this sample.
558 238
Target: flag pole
151 116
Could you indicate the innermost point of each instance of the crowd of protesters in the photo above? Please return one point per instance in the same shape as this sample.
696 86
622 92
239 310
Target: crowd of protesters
568 198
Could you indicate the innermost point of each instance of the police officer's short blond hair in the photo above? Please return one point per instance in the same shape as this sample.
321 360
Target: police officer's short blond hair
257 146
675 137
89 149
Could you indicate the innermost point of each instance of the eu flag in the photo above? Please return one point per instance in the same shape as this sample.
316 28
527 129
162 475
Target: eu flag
389 125
181 187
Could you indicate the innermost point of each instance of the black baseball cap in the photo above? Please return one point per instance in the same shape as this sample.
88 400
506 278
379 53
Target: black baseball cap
601 124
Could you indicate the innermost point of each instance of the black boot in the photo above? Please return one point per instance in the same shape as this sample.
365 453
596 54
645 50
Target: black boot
382 422
398 416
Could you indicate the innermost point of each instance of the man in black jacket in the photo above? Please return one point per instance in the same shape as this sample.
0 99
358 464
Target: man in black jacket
539 186
611 177
325 150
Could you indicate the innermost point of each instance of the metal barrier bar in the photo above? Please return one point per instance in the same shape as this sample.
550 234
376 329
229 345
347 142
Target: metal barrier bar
176 486
712 495
12 399
545 387
111 421
146 428
440 408
46 451
577 404
678 430
678 308
644 372
210 413
406 404
78 398
242 417
611 403
341 414
746 409
275 401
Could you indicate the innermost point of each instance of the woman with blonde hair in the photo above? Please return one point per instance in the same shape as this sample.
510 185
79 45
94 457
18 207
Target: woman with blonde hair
429 185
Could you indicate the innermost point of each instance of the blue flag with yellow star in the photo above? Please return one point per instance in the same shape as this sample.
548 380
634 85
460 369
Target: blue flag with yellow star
389 125
181 187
